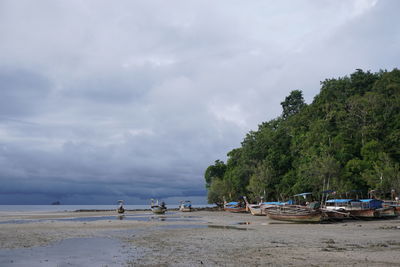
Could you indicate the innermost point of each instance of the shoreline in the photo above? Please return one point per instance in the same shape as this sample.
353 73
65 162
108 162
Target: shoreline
197 238
172 209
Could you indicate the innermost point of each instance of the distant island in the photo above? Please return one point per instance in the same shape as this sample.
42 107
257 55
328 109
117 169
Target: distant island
56 203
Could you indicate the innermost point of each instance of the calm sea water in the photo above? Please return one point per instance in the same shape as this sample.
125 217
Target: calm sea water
44 208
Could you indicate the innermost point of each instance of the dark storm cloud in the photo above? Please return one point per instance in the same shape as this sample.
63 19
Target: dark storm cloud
134 99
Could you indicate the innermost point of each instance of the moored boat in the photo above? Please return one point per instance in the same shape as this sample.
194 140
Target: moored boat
361 209
185 206
121 208
364 208
157 208
259 209
295 213
335 209
235 206
255 209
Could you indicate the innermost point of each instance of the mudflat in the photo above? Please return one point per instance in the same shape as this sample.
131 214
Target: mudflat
199 238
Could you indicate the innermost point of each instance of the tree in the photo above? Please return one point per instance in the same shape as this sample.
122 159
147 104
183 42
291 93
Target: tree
216 192
215 171
261 182
385 174
293 103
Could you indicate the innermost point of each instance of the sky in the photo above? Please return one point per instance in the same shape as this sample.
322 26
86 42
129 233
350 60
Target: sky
107 100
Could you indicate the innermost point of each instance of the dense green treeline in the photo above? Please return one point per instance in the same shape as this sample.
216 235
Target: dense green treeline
348 138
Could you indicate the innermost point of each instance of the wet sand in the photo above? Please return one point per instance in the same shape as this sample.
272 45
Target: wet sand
202 238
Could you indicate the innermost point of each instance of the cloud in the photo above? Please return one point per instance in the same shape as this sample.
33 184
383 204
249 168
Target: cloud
135 99
23 92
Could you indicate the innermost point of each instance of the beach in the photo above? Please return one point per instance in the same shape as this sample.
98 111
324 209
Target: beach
199 238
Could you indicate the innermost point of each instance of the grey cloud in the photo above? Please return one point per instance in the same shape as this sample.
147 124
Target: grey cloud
23 92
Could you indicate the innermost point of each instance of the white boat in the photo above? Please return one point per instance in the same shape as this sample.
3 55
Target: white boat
157 208
121 208
185 206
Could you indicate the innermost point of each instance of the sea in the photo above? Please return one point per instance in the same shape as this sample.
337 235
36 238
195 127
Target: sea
55 208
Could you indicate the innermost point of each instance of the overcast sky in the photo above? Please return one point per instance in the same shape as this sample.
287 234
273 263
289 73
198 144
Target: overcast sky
108 100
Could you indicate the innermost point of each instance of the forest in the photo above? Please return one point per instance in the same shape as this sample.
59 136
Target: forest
346 140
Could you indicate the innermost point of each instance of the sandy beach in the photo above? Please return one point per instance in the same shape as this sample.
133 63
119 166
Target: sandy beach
200 238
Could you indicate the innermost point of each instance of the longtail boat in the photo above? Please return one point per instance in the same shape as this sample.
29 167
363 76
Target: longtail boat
157 208
234 206
361 209
259 209
185 206
335 209
255 209
295 213
365 208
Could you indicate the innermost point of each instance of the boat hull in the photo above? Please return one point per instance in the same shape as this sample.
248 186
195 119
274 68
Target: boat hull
334 215
394 205
185 209
295 214
158 210
364 213
235 210
388 212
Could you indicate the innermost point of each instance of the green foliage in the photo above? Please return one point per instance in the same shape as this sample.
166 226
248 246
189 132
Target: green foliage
293 103
215 171
347 138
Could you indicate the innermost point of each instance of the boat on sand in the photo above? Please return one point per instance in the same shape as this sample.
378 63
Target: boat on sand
157 208
120 208
235 206
259 209
295 213
185 206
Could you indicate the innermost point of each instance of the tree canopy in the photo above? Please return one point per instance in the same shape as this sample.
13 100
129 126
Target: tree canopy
348 138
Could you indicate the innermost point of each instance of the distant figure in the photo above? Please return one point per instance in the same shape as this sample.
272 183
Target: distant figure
163 204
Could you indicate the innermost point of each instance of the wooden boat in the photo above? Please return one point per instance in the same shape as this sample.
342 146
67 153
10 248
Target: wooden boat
259 209
185 206
361 209
121 208
255 209
235 207
157 208
365 208
295 213
335 209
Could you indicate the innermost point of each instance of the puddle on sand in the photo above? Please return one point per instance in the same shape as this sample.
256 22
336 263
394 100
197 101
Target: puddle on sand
228 227
181 226
72 252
